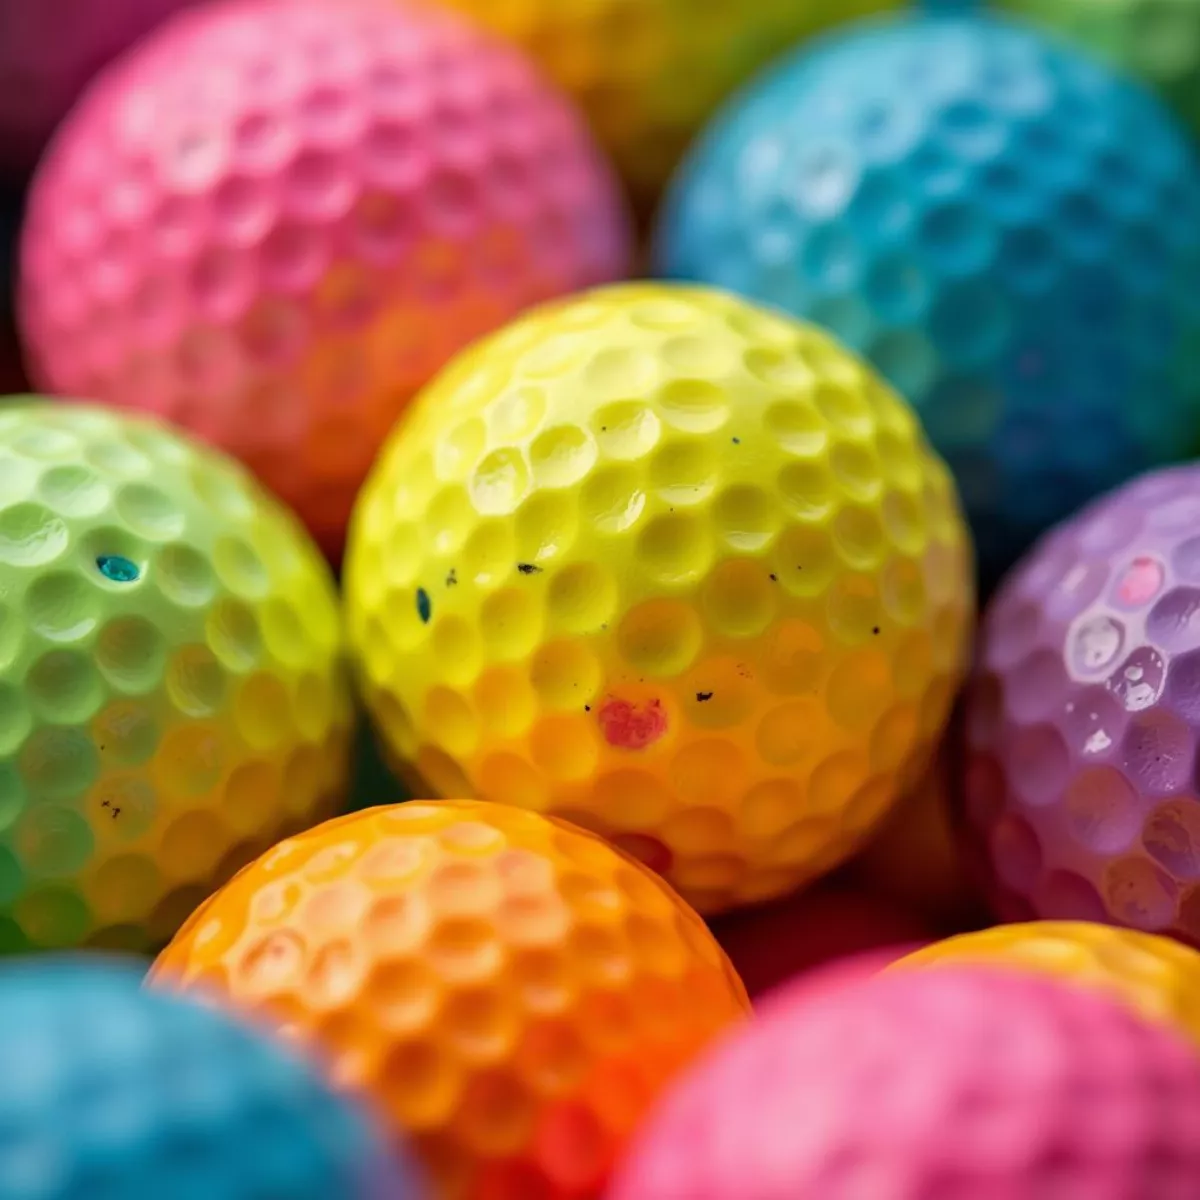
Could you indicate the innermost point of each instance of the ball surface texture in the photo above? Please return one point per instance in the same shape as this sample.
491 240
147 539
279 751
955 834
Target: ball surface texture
173 693
1083 714
671 567
926 1084
513 992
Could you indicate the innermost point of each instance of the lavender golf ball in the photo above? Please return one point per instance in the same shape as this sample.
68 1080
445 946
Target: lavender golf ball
1083 717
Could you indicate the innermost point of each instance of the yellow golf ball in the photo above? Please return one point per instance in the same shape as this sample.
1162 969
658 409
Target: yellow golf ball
672 567
649 73
1156 975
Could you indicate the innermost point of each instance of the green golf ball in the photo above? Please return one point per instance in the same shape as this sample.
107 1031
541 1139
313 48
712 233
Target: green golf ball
172 689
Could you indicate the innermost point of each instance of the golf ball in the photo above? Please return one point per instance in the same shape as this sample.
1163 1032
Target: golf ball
671 567
914 1085
1083 714
273 220
49 52
116 1091
1006 229
648 73
172 689
514 992
1156 40
1157 975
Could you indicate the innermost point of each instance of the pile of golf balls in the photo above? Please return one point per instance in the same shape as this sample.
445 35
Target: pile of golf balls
478 723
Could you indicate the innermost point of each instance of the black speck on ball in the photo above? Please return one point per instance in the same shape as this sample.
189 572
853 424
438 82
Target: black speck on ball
424 607
702 696
528 568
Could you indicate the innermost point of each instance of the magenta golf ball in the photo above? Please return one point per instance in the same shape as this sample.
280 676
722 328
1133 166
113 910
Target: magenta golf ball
964 1082
274 220
1083 717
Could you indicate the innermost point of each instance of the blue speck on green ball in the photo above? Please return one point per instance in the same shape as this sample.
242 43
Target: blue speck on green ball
118 568
1007 229
112 1091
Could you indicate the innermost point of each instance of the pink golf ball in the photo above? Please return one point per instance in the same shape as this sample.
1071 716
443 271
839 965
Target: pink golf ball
930 1085
49 51
273 220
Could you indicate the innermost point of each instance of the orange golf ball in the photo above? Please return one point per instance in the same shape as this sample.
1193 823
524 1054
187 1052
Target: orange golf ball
512 991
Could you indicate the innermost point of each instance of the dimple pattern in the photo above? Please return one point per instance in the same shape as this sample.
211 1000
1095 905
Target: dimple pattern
173 695
1082 717
113 1090
1156 975
649 73
671 567
969 1081
273 220
1156 40
49 52
511 990
1006 229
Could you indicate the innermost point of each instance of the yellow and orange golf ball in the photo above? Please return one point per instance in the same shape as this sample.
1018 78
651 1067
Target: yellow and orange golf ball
513 992
1157 976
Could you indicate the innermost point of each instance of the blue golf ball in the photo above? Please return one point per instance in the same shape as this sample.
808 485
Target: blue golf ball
1007 229
109 1091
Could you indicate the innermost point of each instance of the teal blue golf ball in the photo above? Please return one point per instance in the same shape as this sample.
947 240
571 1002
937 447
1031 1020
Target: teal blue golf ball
110 1091
1006 228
